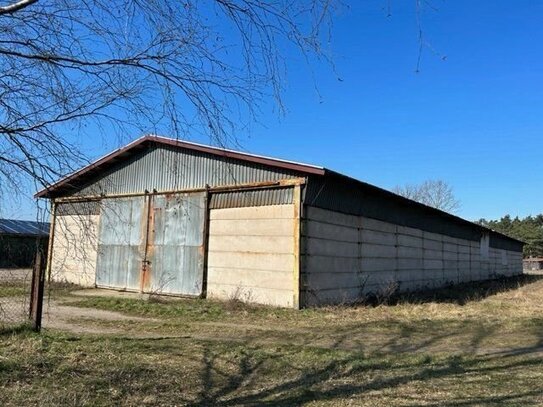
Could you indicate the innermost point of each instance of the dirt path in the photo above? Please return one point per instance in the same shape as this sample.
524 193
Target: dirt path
62 316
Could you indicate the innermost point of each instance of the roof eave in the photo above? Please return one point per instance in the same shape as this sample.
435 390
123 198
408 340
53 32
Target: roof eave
435 210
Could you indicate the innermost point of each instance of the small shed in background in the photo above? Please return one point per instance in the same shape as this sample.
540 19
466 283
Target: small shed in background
19 240
533 264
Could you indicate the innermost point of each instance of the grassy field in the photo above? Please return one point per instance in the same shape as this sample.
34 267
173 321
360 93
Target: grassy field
461 347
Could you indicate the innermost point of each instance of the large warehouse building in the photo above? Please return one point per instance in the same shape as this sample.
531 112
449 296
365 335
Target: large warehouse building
172 217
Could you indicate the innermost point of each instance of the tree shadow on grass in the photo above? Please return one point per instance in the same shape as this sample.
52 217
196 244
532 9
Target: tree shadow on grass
6 330
356 376
461 294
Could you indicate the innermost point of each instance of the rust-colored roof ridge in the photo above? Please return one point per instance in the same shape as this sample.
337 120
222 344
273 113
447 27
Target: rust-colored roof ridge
223 152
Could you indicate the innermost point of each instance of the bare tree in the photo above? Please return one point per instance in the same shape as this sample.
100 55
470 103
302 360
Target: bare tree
78 68
435 193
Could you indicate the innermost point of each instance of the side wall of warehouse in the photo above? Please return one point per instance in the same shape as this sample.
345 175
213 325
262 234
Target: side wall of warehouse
345 257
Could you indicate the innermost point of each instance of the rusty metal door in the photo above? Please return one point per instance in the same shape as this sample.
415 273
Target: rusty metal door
175 250
121 243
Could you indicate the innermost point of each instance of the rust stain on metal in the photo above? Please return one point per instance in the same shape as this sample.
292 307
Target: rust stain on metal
203 250
51 240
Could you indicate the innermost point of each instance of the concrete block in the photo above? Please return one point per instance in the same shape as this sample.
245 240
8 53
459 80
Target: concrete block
370 236
329 231
333 296
332 217
383 279
433 264
325 247
464 249
267 296
328 264
410 264
254 212
404 230
252 244
409 252
252 227
409 241
449 240
277 280
376 250
378 226
450 256
432 244
451 275
433 254
372 264
450 264
253 261
432 237
334 280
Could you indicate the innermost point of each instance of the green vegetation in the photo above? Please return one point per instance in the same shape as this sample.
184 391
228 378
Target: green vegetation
458 347
14 289
529 230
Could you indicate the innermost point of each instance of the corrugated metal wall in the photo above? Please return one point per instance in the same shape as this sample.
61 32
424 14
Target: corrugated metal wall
258 197
166 168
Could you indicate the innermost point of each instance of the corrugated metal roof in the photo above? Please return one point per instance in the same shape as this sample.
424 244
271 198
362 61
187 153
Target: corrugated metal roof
106 162
24 227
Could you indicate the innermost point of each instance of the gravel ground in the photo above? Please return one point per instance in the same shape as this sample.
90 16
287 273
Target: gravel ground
15 275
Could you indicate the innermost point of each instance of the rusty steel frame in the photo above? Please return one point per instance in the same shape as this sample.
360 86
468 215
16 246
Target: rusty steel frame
226 188
205 242
51 240
297 237
145 273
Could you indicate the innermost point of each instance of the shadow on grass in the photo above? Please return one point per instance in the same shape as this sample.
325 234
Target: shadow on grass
459 294
210 373
15 329
357 377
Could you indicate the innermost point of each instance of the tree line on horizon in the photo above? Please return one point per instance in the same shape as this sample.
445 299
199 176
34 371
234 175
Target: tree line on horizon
528 229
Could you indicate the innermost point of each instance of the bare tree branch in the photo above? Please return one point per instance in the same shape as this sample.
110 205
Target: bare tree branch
435 193
12 8
72 68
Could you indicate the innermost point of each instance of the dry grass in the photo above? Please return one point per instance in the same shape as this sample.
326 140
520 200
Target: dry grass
471 347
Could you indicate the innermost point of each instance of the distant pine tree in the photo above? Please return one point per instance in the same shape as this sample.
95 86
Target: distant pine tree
528 229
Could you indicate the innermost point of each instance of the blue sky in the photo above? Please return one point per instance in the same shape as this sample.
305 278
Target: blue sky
473 119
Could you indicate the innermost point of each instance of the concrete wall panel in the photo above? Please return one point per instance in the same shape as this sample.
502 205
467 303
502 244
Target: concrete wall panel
334 271
251 254
75 246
